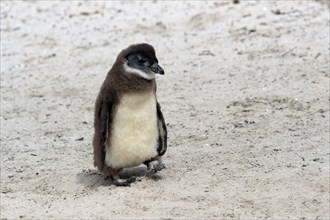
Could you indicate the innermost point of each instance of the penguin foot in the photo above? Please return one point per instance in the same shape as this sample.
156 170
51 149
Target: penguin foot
117 181
155 166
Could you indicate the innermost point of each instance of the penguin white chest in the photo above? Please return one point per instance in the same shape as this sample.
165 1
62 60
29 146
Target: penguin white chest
134 131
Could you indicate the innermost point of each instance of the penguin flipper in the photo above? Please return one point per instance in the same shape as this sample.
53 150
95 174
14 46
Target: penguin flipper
101 124
162 130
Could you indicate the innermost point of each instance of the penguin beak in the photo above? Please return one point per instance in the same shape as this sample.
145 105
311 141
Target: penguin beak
157 69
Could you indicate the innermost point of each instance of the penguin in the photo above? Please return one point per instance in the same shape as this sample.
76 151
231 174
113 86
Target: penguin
129 127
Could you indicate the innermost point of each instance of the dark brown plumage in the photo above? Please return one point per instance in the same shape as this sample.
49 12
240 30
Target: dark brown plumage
118 83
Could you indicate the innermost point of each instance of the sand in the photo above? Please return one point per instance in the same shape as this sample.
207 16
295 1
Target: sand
245 96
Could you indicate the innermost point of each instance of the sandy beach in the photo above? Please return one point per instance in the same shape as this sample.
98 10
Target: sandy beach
245 96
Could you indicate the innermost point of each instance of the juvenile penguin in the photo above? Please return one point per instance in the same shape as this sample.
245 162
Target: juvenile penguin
128 121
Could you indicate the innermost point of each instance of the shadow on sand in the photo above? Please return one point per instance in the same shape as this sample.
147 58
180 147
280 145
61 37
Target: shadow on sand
93 179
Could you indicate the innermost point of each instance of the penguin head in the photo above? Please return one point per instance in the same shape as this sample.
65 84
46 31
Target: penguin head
140 59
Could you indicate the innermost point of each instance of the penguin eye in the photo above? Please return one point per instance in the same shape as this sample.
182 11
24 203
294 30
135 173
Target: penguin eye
142 61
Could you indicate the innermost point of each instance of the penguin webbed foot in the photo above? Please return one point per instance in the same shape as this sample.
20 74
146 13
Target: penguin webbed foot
155 166
117 181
